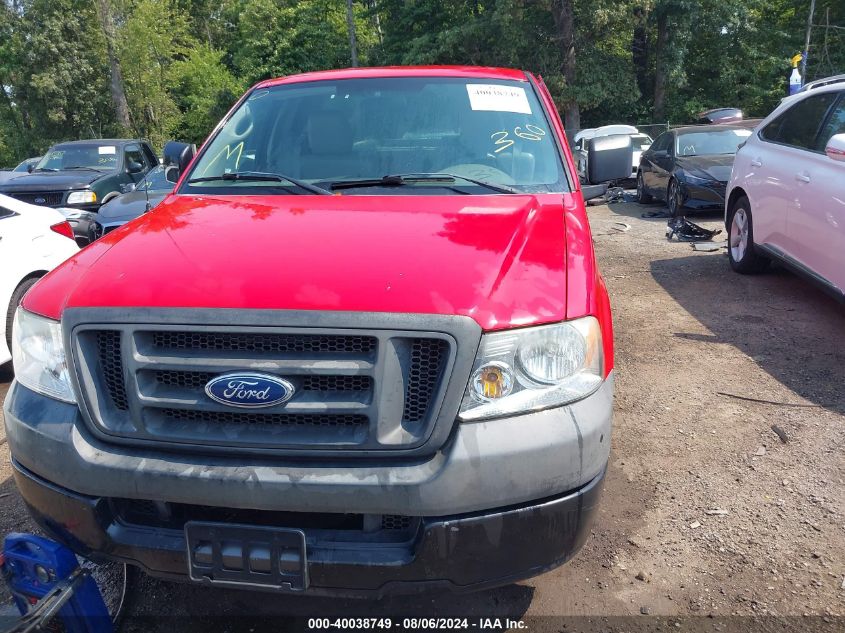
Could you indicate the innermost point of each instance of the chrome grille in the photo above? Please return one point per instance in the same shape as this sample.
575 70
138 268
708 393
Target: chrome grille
354 389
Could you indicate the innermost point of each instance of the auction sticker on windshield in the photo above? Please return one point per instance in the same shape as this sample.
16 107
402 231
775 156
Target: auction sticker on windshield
495 98
107 149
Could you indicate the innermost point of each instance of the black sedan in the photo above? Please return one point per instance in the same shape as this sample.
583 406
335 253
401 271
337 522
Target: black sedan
149 192
689 167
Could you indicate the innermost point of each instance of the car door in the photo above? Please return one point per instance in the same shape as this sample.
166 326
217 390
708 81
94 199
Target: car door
816 219
654 163
778 165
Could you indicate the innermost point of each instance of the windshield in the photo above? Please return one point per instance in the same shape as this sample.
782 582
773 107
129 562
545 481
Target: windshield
710 142
62 157
328 132
641 141
155 181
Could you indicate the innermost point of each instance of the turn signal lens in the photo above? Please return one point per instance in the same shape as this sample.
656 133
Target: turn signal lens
492 381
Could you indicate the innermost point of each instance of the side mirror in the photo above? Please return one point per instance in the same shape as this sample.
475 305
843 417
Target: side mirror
134 167
835 148
177 157
609 158
660 153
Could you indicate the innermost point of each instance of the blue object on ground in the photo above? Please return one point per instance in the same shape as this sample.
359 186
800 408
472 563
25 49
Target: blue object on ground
34 567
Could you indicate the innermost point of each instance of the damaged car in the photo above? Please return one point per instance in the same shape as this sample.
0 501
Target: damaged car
689 167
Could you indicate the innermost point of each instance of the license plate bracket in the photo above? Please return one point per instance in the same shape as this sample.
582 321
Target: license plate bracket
247 556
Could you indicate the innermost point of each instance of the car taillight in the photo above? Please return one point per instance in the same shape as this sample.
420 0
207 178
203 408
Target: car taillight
63 228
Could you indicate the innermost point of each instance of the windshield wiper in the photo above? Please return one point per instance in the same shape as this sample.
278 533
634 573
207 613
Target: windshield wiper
81 167
45 169
397 180
260 176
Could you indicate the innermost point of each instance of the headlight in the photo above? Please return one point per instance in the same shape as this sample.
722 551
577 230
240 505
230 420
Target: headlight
39 356
696 180
519 371
82 197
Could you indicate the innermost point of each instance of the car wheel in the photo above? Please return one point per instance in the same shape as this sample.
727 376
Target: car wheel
17 295
674 199
743 257
643 197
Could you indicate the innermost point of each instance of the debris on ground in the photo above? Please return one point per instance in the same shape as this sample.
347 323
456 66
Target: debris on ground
774 402
709 247
687 231
784 438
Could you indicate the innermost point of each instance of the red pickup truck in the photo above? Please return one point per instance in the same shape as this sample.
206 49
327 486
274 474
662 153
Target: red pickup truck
363 347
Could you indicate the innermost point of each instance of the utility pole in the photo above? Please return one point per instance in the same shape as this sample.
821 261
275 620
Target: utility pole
807 41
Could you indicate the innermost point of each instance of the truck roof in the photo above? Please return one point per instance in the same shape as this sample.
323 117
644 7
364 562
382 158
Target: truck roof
477 72
103 141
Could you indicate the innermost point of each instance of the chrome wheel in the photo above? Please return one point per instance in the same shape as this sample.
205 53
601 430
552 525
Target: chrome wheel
739 235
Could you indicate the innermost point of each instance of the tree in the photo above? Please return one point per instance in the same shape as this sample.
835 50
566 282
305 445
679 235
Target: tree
118 93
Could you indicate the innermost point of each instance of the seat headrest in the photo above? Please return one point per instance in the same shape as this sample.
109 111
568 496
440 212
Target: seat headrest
329 133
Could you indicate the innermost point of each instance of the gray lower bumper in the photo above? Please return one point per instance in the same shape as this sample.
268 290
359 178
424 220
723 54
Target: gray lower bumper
483 465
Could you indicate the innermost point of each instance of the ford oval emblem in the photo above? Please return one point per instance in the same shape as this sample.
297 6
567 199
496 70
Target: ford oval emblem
40 200
249 391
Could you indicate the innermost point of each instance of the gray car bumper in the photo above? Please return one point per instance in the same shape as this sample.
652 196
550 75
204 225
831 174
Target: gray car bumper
483 465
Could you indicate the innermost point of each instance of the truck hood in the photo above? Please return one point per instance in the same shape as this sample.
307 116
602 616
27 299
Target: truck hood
51 181
500 259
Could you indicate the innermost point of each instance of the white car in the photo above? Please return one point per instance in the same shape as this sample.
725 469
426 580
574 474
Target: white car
786 196
640 142
33 241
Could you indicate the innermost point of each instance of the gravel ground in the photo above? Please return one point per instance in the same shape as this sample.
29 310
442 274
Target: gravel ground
706 511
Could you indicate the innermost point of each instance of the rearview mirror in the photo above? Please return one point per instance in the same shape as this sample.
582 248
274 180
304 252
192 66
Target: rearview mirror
835 148
30 167
609 158
177 158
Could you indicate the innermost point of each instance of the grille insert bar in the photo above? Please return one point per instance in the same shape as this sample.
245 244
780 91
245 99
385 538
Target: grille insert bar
428 357
263 343
270 419
111 365
198 380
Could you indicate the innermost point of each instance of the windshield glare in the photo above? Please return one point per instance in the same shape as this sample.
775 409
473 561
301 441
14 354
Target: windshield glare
102 157
325 132
710 142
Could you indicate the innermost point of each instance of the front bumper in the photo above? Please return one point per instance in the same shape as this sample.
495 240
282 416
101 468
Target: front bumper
502 500
460 553
483 465
701 196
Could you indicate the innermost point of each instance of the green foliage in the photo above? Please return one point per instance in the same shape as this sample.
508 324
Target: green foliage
203 89
184 62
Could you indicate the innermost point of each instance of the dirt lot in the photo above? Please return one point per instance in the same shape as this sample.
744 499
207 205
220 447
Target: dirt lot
706 512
